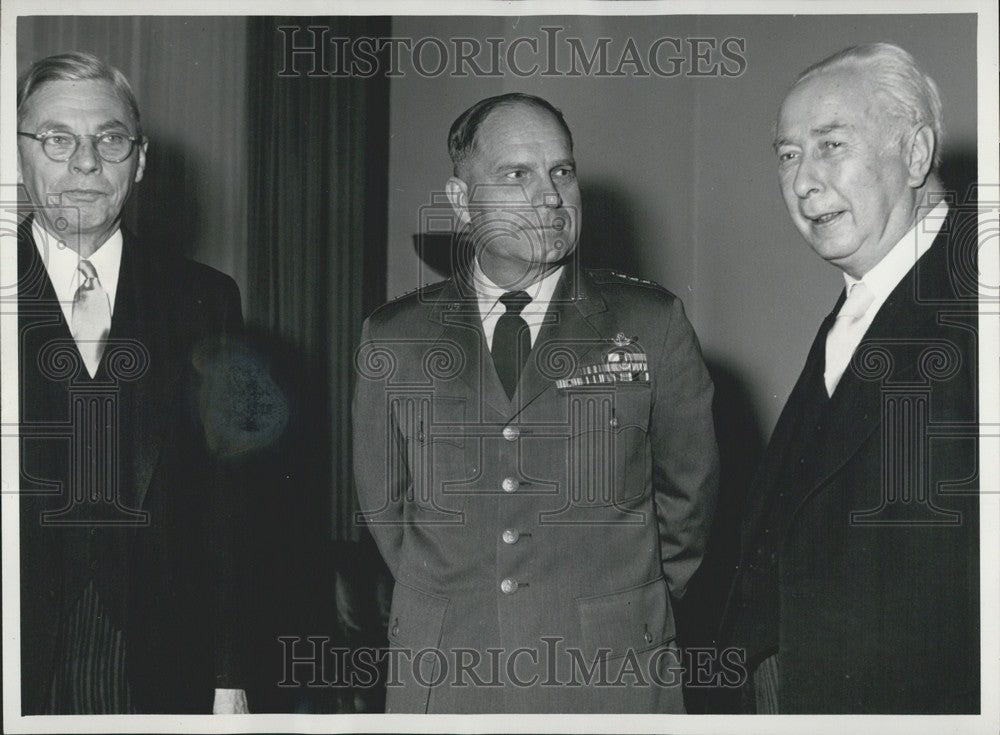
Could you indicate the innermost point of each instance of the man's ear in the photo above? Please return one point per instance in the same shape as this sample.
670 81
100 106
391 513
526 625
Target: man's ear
920 155
141 167
458 195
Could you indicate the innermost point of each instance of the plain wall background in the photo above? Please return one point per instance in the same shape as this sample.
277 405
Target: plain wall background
678 177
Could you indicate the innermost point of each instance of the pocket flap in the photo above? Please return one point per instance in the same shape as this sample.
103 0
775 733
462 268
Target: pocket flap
416 618
639 618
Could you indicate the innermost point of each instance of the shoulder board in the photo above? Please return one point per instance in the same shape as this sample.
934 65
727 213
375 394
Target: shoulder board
422 287
610 276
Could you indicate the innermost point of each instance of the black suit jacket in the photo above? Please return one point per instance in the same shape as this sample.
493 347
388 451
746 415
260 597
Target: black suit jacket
860 547
163 560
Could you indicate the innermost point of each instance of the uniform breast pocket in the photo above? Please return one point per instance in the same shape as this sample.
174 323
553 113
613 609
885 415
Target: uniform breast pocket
608 449
438 449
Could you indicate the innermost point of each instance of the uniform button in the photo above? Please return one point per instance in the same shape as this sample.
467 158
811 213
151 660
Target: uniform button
508 586
395 630
510 536
613 423
648 637
509 484
511 433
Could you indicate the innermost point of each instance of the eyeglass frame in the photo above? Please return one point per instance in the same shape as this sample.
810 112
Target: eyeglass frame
133 140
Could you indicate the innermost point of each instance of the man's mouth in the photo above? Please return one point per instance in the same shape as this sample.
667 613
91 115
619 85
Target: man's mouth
83 195
825 219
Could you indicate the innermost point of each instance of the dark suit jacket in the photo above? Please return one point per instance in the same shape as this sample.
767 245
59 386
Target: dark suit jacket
165 572
615 495
860 551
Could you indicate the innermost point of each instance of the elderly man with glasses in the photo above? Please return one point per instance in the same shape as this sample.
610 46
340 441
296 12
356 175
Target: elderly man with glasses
128 594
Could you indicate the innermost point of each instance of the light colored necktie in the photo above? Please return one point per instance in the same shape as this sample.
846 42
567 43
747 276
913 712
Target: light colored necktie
844 336
91 320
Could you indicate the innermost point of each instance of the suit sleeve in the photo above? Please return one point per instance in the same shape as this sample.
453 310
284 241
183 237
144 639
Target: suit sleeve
685 453
228 513
380 469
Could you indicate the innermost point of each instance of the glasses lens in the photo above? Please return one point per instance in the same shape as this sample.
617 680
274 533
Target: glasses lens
59 146
114 147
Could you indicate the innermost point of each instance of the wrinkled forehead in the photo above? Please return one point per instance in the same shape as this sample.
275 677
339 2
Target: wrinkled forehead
69 102
517 121
835 99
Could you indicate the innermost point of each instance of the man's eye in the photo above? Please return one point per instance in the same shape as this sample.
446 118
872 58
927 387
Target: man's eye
832 144
786 156
516 174
113 138
564 173
59 139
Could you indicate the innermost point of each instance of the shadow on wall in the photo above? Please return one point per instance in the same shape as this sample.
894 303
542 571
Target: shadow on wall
959 173
741 441
609 233
166 207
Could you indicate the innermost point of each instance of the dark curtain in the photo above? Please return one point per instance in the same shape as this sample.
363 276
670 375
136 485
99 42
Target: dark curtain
318 168
317 234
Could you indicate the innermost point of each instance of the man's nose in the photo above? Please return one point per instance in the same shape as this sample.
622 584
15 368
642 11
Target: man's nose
85 159
808 177
547 194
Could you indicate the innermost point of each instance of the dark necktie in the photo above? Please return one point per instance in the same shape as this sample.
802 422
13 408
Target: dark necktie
511 340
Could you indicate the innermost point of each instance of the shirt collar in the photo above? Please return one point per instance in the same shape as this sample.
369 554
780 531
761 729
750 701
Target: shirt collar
488 293
888 272
61 263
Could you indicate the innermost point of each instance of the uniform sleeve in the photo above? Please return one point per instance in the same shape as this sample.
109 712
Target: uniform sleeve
685 453
380 476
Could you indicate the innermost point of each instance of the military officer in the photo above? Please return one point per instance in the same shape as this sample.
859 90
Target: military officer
535 454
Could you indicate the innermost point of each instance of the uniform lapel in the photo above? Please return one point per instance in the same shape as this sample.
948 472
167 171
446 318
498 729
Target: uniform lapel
459 329
570 327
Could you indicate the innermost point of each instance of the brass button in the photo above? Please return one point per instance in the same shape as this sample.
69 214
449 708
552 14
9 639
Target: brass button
508 586
509 484
648 637
510 536
511 433
613 422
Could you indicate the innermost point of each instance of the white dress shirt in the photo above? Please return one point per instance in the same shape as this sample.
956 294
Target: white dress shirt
61 263
491 309
881 280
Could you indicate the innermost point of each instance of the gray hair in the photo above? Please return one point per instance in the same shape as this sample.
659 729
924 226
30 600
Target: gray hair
910 94
75 66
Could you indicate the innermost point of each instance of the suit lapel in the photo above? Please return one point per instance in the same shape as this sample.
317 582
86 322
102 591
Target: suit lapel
769 476
855 409
148 323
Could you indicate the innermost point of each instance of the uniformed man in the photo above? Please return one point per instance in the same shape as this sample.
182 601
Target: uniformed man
535 453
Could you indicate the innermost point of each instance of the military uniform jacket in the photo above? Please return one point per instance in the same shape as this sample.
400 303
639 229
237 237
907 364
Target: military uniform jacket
534 539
